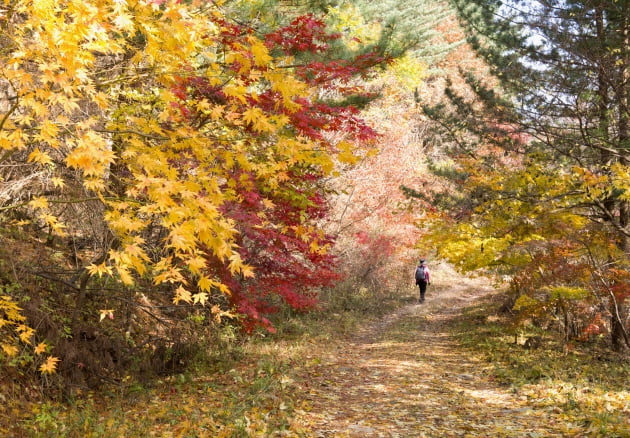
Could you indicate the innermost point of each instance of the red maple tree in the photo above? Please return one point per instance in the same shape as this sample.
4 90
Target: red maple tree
277 227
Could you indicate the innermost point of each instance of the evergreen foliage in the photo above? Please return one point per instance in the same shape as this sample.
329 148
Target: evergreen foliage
396 27
546 135
409 26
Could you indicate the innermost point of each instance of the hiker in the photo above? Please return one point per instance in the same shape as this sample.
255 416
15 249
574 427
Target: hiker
423 278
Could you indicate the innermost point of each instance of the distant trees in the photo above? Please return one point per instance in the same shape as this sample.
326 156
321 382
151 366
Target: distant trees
368 202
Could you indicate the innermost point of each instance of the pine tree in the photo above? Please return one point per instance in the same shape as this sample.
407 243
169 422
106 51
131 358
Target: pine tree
398 27
563 70
409 26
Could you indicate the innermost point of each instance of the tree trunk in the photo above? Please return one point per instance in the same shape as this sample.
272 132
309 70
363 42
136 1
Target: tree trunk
619 333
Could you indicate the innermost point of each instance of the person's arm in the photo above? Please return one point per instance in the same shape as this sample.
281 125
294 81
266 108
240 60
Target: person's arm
428 275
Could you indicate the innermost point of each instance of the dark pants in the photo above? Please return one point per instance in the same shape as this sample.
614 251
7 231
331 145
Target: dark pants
423 288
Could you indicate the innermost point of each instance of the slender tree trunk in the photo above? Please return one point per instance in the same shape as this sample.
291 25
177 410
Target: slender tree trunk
618 330
605 71
619 334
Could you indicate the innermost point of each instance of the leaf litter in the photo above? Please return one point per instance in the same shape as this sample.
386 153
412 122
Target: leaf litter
403 376
406 376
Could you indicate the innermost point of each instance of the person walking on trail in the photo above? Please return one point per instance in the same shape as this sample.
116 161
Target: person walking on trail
423 278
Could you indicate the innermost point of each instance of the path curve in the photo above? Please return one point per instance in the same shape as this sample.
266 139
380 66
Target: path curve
405 376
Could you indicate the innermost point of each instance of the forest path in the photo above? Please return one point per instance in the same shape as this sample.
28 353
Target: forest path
405 376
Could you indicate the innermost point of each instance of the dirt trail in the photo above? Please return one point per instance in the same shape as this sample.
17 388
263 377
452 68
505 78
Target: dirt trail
406 377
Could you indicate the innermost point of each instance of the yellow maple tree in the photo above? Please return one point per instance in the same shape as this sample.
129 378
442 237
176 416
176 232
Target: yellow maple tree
92 100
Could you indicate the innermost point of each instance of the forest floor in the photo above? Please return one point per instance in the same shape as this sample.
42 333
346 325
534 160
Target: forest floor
405 376
408 374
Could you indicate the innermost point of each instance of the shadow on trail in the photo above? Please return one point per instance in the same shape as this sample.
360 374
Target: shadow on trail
405 376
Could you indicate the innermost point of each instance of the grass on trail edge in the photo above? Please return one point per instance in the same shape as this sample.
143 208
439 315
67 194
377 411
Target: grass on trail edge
251 389
241 388
583 380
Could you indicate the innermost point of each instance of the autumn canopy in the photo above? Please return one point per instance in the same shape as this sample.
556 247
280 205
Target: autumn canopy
175 149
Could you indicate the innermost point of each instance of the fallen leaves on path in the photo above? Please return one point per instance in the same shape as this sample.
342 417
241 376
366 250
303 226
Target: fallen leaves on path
402 376
406 377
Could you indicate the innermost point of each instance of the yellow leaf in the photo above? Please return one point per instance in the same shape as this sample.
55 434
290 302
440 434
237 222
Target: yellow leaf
182 294
247 271
224 289
216 112
53 223
183 237
201 298
258 120
252 114
236 263
124 21
135 256
40 157
43 8
50 366
196 264
170 275
5 141
11 309
25 333
288 86
94 184
10 350
260 52
41 348
346 154
236 91
108 313
39 202
49 131
99 269
124 275
205 284
101 99
58 182
79 159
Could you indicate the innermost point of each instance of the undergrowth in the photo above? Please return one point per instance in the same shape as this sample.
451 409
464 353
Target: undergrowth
236 386
582 379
